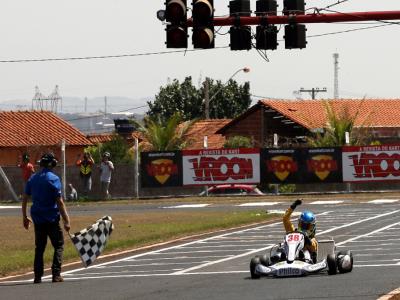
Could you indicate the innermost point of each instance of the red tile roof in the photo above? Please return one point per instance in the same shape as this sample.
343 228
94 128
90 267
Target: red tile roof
312 114
201 128
26 128
99 138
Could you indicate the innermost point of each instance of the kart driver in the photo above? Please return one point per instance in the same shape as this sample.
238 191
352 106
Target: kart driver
306 225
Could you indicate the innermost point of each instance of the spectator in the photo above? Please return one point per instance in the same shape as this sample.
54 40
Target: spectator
44 188
85 172
73 194
27 168
106 168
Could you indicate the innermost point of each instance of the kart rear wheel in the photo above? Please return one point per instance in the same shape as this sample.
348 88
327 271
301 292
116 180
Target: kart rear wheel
345 266
253 263
332 265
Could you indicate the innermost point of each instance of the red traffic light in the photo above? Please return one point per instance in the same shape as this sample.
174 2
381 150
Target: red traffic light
175 11
203 38
203 11
176 37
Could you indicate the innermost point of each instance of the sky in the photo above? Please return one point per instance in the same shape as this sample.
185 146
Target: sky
368 59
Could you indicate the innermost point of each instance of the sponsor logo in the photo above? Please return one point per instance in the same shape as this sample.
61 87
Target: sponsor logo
322 165
222 168
289 272
282 166
162 169
368 165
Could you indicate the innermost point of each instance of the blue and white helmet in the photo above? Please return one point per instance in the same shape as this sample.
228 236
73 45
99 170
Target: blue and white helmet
307 223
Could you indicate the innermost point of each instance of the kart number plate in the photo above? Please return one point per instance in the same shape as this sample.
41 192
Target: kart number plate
289 272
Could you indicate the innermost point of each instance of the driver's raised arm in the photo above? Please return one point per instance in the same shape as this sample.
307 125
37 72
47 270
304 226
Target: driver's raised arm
286 217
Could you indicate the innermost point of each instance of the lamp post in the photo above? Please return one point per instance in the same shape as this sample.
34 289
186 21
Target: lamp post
208 99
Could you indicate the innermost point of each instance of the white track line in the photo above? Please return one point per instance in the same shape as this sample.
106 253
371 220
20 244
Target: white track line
382 201
259 204
188 206
327 202
367 234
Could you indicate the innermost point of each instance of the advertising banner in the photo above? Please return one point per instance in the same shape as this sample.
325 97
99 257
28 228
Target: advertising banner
296 166
280 166
221 166
322 165
371 163
161 169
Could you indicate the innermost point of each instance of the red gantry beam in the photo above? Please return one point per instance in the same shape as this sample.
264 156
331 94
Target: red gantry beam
309 18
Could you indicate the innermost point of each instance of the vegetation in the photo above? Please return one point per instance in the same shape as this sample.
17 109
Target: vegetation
117 147
165 135
238 142
228 100
338 123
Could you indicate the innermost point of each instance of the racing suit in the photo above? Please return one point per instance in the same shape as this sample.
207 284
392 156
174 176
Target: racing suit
312 247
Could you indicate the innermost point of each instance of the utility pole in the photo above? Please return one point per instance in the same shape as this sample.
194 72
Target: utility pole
336 76
105 106
85 104
313 92
207 99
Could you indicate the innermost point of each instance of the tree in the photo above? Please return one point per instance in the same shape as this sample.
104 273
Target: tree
338 123
238 142
227 100
166 135
117 147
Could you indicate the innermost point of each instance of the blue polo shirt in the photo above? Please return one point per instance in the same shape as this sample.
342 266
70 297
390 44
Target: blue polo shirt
44 187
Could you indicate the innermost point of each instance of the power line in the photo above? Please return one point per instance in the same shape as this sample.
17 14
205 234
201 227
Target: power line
103 56
386 23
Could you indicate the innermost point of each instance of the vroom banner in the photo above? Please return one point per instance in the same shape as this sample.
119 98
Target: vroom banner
161 169
221 166
371 163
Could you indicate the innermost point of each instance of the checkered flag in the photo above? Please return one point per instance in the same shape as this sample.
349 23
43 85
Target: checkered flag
91 241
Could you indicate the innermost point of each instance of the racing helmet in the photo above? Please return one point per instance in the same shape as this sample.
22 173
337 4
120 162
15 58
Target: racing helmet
307 223
48 160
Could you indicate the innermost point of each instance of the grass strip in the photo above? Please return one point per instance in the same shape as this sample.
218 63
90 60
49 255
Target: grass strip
131 230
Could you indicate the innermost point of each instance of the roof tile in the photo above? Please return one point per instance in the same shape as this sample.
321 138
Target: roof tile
27 128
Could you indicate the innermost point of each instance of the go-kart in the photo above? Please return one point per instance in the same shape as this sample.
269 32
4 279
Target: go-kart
290 259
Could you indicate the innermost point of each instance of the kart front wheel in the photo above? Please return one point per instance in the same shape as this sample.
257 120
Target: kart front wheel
265 260
332 265
253 264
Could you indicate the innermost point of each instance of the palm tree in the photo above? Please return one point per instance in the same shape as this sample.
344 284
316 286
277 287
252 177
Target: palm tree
164 135
338 123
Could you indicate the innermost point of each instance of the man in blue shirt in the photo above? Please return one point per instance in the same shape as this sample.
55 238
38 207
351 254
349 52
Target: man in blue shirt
44 187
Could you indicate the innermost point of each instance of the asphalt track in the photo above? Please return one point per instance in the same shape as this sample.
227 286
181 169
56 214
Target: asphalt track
217 267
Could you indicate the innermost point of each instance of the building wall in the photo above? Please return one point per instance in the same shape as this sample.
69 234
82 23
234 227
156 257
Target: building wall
11 156
250 126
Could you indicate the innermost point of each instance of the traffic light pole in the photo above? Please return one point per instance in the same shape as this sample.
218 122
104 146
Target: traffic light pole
309 18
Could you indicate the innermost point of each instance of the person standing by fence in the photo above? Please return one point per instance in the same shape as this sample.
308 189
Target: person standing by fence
27 168
106 168
85 172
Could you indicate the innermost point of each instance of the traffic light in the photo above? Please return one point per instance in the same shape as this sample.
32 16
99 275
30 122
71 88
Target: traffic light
176 16
203 24
295 36
293 7
240 36
266 34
